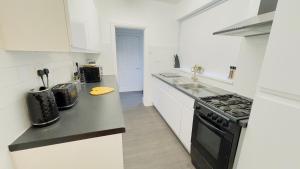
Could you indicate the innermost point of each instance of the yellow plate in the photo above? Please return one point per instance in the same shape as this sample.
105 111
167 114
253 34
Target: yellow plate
101 90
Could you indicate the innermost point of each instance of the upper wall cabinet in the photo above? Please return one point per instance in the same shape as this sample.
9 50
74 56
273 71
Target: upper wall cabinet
280 71
50 25
83 24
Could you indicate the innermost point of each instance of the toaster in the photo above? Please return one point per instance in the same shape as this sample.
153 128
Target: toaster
90 73
42 108
65 95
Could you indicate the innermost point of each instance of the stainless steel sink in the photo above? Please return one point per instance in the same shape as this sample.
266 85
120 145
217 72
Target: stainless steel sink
191 86
170 75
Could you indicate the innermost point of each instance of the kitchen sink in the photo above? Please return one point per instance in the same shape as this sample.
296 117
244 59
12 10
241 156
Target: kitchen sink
191 86
170 75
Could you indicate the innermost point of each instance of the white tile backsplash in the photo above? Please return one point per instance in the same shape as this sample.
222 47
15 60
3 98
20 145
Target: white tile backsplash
17 76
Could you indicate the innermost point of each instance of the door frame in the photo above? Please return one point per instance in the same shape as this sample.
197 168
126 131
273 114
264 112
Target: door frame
147 101
139 33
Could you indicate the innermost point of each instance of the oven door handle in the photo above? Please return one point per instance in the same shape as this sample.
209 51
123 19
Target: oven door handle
210 126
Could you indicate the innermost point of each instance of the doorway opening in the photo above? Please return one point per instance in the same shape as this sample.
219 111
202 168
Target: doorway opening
130 59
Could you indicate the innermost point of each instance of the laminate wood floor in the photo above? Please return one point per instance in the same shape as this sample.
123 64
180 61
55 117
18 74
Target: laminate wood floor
148 142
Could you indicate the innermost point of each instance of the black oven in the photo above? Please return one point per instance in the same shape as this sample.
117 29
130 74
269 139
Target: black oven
214 139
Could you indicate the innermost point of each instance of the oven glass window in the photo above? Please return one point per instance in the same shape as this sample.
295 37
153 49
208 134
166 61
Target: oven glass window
209 140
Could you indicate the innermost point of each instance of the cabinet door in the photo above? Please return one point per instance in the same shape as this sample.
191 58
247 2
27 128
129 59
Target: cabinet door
173 113
168 106
186 127
176 108
157 94
83 25
34 25
187 115
272 137
280 71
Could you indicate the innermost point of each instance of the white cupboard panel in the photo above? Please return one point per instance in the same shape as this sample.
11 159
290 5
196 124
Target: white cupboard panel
50 25
79 39
176 108
186 127
102 152
168 106
184 99
280 71
155 93
83 24
173 113
272 138
34 25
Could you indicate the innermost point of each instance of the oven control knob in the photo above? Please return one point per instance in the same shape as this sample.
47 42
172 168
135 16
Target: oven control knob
214 117
220 120
198 107
209 114
226 124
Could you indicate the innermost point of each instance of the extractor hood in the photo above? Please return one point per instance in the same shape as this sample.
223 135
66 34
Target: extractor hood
258 25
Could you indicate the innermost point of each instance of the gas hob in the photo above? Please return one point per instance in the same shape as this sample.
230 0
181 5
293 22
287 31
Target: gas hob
233 106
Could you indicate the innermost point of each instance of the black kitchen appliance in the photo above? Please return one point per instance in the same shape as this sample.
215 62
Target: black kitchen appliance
90 73
216 130
65 95
42 107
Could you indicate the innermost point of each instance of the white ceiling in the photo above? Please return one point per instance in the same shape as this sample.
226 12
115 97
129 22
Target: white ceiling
170 1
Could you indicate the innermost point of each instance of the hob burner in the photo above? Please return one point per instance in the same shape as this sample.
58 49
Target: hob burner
233 105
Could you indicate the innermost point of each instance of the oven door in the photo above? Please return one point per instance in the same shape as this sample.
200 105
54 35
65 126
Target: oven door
211 146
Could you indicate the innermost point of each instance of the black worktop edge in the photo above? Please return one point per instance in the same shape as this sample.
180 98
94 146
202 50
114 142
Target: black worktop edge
36 144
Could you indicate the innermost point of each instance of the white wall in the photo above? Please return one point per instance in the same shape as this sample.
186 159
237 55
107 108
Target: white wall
197 45
18 75
185 7
157 17
161 31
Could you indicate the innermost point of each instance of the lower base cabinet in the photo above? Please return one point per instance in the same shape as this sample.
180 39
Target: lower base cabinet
176 108
101 152
186 127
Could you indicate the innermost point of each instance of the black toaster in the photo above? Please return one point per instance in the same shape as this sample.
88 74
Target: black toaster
65 95
90 73
42 108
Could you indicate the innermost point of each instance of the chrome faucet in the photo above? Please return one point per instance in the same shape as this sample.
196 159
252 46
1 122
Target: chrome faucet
196 69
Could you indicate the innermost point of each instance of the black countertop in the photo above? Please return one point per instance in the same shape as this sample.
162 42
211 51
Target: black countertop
92 116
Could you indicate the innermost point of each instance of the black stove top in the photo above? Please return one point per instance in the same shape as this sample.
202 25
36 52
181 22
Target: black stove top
232 105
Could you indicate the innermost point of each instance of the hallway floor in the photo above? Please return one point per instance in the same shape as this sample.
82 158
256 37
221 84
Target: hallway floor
148 142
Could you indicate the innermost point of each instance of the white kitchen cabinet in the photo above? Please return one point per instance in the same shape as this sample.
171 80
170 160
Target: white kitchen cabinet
83 24
156 94
186 127
49 25
167 105
173 112
101 152
176 108
272 139
280 70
